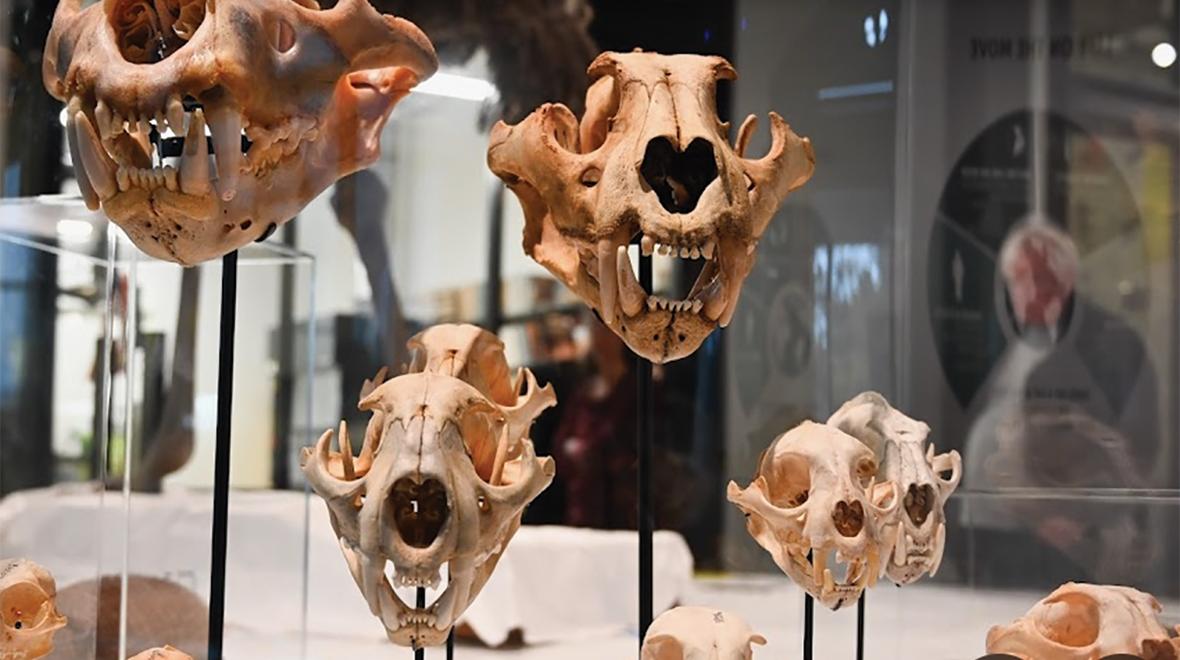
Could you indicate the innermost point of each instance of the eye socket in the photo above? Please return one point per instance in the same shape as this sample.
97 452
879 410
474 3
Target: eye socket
789 480
1070 620
282 35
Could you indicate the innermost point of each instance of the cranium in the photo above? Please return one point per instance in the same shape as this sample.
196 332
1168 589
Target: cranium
443 477
163 653
699 633
814 498
28 610
906 458
311 90
649 160
1087 622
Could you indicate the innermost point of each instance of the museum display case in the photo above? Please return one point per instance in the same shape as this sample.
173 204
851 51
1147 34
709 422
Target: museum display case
590 329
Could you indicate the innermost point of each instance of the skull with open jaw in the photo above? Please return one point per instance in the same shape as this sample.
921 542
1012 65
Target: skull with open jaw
906 457
815 499
292 97
650 160
28 610
443 477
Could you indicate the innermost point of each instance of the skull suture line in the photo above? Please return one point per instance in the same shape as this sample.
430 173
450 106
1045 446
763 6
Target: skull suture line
815 498
1087 622
443 477
906 457
310 89
699 633
650 159
28 611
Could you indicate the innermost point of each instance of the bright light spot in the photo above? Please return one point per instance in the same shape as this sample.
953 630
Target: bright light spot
1164 55
64 117
74 230
455 86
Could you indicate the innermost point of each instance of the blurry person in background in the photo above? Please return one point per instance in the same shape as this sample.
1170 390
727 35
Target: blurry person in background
1071 405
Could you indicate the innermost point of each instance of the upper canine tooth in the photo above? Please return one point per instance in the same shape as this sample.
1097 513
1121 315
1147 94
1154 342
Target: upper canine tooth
608 286
647 245
631 295
194 163
99 167
84 186
225 123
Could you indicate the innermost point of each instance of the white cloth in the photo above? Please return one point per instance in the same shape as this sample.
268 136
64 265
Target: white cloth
553 583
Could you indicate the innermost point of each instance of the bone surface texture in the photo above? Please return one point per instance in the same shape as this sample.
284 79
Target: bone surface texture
28 610
699 633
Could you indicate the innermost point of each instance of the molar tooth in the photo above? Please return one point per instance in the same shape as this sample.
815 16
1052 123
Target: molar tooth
608 286
631 294
225 122
647 244
194 162
100 169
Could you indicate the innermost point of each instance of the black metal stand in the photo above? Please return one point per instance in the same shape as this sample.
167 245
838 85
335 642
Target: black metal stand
808 622
225 398
420 602
860 626
645 436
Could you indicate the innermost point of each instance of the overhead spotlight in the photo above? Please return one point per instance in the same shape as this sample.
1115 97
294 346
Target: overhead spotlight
1163 55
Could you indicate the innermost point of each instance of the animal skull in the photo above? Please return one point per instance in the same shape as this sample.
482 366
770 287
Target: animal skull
815 496
164 653
650 160
443 477
28 610
311 90
699 633
906 458
1087 622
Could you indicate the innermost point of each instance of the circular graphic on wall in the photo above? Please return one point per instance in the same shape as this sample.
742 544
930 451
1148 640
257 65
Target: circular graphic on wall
990 192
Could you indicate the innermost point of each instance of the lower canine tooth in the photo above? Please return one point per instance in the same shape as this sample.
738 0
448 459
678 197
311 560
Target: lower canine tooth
99 166
631 295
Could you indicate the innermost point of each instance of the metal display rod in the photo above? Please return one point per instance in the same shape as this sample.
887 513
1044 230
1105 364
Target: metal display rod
645 412
225 397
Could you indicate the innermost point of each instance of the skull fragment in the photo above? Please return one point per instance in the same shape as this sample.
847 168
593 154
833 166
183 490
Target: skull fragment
906 457
1087 622
162 653
28 610
650 160
442 478
815 504
699 633
293 98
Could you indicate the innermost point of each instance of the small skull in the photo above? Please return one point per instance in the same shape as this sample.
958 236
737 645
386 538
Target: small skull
443 477
164 653
699 633
650 160
905 457
293 98
28 610
815 498
1087 622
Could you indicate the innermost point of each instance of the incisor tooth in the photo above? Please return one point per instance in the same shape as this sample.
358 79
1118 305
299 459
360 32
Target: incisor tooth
695 254
684 253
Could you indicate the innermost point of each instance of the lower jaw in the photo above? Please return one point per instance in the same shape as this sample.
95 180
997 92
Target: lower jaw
663 336
418 635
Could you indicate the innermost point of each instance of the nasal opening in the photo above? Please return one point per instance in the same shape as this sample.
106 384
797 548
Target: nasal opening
849 518
679 178
419 510
919 502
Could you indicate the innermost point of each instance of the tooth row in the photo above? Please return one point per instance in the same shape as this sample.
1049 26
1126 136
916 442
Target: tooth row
649 245
418 617
148 179
656 302
270 145
405 580
110 122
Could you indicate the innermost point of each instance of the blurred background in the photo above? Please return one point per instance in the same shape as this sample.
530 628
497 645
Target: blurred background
989 240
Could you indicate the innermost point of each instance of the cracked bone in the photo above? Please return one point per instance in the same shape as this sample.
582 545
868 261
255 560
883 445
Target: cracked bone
649 157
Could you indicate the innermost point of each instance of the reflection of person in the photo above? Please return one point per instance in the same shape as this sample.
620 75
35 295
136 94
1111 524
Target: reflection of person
1070 404
594 445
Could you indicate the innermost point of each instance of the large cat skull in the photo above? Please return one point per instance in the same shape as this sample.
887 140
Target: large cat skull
699 633
28 610
310 88
906 457
443 477
815 498
1087 622
649 160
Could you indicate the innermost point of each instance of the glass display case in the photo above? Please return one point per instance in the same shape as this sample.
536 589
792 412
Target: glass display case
967 208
